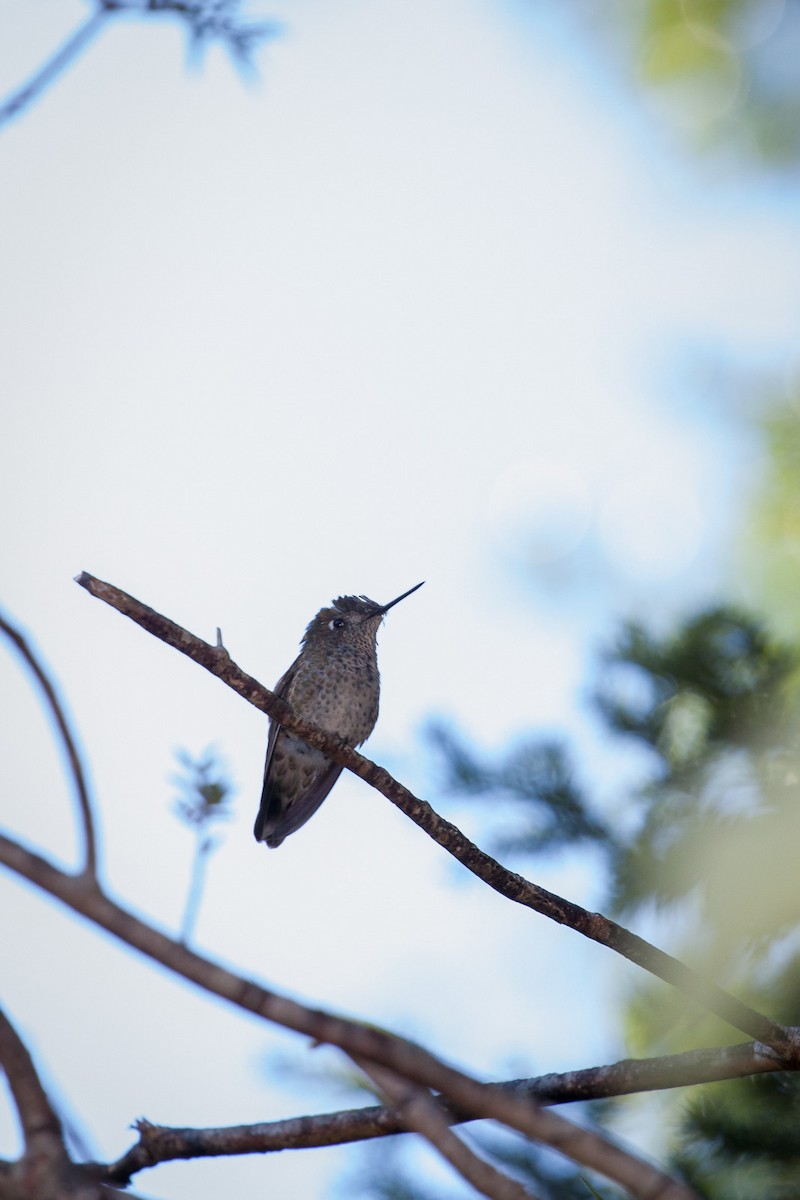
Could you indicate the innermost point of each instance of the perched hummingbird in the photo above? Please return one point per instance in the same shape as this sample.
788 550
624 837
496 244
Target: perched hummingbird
334 683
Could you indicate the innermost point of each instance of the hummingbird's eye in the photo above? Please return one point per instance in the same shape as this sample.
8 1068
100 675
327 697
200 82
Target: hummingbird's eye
336 623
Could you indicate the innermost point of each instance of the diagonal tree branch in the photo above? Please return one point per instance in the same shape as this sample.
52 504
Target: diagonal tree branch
75 765
63 57
419 1113
160 1143
41 1128
84 896
205 19
509 884
45 1168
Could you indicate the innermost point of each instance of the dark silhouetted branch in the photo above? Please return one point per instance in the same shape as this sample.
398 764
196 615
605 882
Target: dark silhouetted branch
508 883
206 20
63 57
45 1168
159 1143
420 1113
361 1042
39 1123
77 771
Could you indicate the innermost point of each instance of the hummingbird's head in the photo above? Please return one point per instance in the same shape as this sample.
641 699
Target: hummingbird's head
350 619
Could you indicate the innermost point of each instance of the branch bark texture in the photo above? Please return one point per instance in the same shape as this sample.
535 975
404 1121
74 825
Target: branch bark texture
159 1143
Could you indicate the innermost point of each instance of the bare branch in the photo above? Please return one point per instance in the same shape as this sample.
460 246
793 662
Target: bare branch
357 1040
160 1143
76 766
509 884
632 1075
63 57
38 1120
419 1113
206 21
209 20
45 1168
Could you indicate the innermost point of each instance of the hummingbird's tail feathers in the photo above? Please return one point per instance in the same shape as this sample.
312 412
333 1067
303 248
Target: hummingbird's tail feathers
277 818
259 829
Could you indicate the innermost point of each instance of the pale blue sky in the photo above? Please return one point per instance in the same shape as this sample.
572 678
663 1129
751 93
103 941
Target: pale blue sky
422 303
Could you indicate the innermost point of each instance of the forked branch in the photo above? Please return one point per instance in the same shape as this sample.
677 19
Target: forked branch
359 1041
206 20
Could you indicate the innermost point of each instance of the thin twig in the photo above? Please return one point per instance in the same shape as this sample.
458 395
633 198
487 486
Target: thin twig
195 892
205 22
162 1143
508 883
63 57
356 1039
76 766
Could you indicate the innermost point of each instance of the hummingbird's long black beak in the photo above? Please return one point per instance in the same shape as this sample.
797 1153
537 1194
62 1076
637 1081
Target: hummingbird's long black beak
385 607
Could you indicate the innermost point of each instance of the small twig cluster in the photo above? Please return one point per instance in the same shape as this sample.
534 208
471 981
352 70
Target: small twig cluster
206 21
203 801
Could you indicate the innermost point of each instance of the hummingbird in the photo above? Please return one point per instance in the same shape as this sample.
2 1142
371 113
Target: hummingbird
333 682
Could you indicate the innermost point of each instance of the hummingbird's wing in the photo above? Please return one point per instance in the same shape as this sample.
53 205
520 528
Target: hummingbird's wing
285 809
280 689
297 778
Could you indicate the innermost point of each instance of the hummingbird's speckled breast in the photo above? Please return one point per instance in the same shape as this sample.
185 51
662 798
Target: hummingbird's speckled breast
339 693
